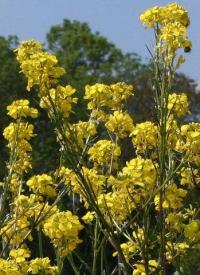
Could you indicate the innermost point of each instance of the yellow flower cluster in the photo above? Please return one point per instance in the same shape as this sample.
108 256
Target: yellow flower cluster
172 20
175 221
175 35
192 230
139 268
116 205
136 181
38 66
33 207
164 15
42 265
42 185
16 230
9 268
175 249
20 108
88 217
173 132
81 132
27 49
14 184
20 131
25 211
18 135
20 254
18 265
190 141
173 197
190 176
66 175
151 16
41 69
142 173
130 192
98 94
95 181
145 136
120 123
103 96
178 104
128 249
59 99
104 152
63 228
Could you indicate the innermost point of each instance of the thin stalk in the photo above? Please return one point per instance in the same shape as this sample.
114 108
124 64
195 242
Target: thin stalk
83 262
95 247
40 243
71 261
59 261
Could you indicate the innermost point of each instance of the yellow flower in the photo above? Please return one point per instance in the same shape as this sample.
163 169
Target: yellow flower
20 108
164 15
38 66
88 217
94 180
112 96
43 185
128 250
18 136
9 268
175 221
173 132
15 230
119 123
63 229
192 230
170 22
139 269
103 152
145 136
60 99
20 254
116 205
173 197
175 35
142 173
16 131
82 131
189 142
190 176
178 104
152 16
42 265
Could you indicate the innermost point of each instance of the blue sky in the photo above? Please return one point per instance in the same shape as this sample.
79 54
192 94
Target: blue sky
115 19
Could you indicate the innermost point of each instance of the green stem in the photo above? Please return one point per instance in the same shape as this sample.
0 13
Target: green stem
40 243
59 263
71 261
95 248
